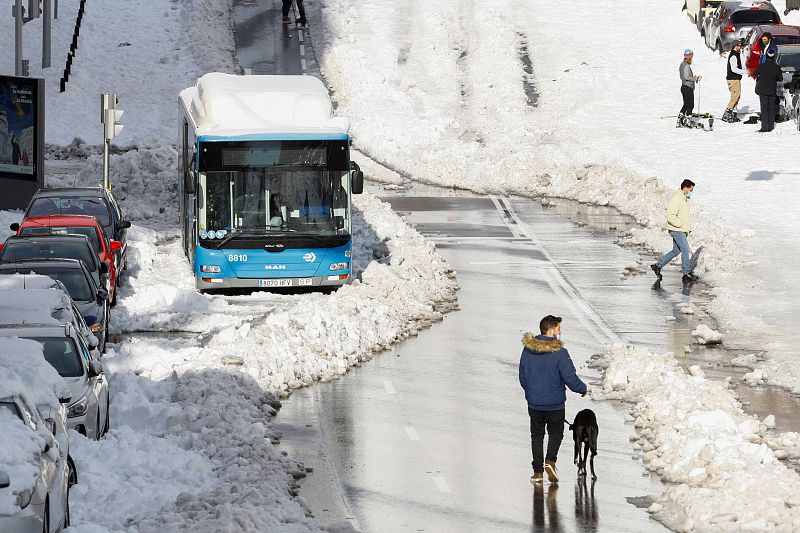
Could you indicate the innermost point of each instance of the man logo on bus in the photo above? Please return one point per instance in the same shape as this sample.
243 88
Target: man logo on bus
275 267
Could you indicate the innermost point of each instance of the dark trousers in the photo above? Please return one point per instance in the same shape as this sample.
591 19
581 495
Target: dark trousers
768 109
287 5
554 422
688 100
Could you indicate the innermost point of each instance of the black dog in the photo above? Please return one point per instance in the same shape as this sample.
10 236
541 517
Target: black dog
584 432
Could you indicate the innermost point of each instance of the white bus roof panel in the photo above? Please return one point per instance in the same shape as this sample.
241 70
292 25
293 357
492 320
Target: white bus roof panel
228 105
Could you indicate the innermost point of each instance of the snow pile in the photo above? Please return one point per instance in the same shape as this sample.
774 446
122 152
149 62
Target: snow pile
27 374
691 431
705 335
144 181
442 100
286 341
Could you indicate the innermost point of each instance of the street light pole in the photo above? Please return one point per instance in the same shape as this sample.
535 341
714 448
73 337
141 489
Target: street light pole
46 33
18 38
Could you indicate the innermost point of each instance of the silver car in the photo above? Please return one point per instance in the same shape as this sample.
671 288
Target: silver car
732 21
65 349
40 503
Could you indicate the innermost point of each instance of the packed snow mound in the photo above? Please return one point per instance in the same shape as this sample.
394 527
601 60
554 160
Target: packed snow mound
286 341
695 435
705 335
21 448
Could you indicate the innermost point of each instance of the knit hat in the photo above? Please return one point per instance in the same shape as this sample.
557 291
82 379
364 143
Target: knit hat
688 52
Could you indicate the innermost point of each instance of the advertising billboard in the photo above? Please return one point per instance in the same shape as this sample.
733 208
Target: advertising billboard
21 139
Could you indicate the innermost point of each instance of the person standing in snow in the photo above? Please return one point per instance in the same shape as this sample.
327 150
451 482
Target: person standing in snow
768 74
544 370
734 77
287 6
766 43
679 224
688 81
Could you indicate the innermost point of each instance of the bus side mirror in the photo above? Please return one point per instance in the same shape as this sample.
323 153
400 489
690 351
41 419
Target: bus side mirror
356 178
188 181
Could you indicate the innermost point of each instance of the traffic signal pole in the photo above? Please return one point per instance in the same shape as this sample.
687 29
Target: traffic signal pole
109 117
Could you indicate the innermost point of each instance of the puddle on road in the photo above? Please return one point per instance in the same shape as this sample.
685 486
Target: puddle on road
714 360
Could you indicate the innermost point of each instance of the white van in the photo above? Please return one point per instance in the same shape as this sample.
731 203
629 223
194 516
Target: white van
700 9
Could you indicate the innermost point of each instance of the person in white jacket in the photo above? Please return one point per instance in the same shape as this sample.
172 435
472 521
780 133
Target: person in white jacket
679 225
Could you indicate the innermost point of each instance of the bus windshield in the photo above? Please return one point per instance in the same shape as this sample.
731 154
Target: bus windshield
274 187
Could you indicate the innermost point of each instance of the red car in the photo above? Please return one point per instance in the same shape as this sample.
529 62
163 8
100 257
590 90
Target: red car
80 225
781 34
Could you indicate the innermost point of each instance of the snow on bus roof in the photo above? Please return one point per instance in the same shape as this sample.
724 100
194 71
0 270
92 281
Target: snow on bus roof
230 105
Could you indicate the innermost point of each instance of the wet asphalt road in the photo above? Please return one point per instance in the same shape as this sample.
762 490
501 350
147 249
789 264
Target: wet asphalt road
433 436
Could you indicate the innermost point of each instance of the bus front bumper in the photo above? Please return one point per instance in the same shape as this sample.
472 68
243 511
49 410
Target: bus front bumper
276 283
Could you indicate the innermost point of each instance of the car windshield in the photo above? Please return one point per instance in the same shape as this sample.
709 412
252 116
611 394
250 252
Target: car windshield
22 250
72 205
754 16
87 231
73 279
789 61
785 39
62 355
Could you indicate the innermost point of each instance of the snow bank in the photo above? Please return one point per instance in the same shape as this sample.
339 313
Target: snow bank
720 463
285 341
442 99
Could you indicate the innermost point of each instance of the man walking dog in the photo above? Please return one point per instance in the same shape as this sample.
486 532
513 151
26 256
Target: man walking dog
544 370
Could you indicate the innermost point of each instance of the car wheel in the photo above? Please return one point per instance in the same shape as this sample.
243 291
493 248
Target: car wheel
72 477
46 520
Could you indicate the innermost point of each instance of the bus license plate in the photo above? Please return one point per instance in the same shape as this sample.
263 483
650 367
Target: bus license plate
274 283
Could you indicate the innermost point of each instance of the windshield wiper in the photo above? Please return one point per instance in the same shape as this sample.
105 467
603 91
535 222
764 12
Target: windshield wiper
235 235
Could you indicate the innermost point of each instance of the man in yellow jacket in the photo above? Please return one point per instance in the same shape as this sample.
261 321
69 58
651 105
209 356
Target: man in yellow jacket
679 224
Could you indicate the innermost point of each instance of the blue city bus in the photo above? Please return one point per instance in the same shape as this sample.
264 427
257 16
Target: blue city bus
266 183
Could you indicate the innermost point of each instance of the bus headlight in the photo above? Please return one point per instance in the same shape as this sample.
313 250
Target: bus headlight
340 266
209 269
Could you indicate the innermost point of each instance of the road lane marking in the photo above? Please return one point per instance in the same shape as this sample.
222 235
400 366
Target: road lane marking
600 329
248 71
412 433
505 215
303 64
441 484
302 50
389 387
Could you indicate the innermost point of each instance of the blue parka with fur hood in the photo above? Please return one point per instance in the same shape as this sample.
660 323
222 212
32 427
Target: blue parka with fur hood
545 369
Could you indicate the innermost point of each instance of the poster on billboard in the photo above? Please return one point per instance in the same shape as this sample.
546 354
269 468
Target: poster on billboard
21 138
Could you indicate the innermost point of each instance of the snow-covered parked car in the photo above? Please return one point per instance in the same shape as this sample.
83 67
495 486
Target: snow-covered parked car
82 287
733 20
788 58
65 349
35 467
35 305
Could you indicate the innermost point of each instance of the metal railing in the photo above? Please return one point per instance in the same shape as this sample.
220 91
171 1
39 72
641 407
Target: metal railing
73 47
